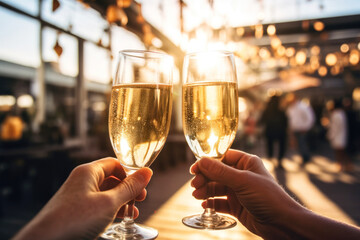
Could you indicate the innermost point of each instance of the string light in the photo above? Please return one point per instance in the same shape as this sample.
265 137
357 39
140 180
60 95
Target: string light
290 52
314 62
281 51
344 48
300 57
335 70
271 30
240 31
264 53
259 30
315 50
275 42
322 71
354 57
331 59
319 26
356 94
25 101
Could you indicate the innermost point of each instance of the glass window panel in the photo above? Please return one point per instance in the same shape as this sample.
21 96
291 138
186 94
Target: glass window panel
60 113
76 18
97 114
67 63
89 24
122 39
19 41
61 17
28 6
96 63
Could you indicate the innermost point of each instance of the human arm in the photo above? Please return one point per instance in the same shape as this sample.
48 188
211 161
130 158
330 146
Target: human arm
259 203
87 202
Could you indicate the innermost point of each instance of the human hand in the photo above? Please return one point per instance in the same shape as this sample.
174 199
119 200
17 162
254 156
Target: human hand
252 194
88 201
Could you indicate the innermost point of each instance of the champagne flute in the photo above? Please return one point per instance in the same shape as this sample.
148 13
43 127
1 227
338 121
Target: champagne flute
139 121
210 119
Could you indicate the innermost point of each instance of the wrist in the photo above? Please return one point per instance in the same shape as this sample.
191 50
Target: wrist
289 221
302 223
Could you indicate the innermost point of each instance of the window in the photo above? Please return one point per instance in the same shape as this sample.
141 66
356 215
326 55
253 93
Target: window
19 39
28 6
67 63
74 17
96 64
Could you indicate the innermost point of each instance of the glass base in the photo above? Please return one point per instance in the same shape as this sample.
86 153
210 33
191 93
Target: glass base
214 221
137 232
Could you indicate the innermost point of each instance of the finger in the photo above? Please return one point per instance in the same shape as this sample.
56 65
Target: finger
131 186
109 167
219 190
121 212
141 196
219 172
194 169
109 183
244 161
112 182
198 181
233 157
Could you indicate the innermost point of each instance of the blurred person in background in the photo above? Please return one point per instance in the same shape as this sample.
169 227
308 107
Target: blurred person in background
275 124
353 124
338 135
250 130
301 120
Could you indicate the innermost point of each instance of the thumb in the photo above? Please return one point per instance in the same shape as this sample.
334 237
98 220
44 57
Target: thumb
216 170
132 185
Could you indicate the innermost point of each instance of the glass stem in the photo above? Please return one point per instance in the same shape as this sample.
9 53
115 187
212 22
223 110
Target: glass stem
127 225
210 193
209 218
129 211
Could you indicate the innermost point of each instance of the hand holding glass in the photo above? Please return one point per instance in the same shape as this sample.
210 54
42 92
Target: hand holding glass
210 118
139 121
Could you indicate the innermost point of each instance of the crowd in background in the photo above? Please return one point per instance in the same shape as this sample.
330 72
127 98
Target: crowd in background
288 121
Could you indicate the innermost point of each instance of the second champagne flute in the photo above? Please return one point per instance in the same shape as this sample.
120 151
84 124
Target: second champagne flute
139 121
210 119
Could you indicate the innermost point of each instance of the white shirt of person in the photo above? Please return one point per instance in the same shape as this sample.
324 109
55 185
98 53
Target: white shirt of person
301 117
337 133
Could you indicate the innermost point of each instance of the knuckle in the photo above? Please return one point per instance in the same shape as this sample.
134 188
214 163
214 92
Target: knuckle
217 170
81 169
254 158
129 185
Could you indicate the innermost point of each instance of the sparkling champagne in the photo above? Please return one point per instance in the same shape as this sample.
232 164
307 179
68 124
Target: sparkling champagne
139 121
210 117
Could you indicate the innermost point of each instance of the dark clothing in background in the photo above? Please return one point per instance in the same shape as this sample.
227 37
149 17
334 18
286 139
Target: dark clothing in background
275 124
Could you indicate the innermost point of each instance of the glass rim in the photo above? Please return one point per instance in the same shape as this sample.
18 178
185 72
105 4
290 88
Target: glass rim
220 52
137 54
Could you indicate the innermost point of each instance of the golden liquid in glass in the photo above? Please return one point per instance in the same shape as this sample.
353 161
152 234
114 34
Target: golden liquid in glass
139 121
210 117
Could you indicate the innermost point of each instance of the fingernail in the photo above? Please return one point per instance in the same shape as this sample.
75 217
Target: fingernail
144 174
190 170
